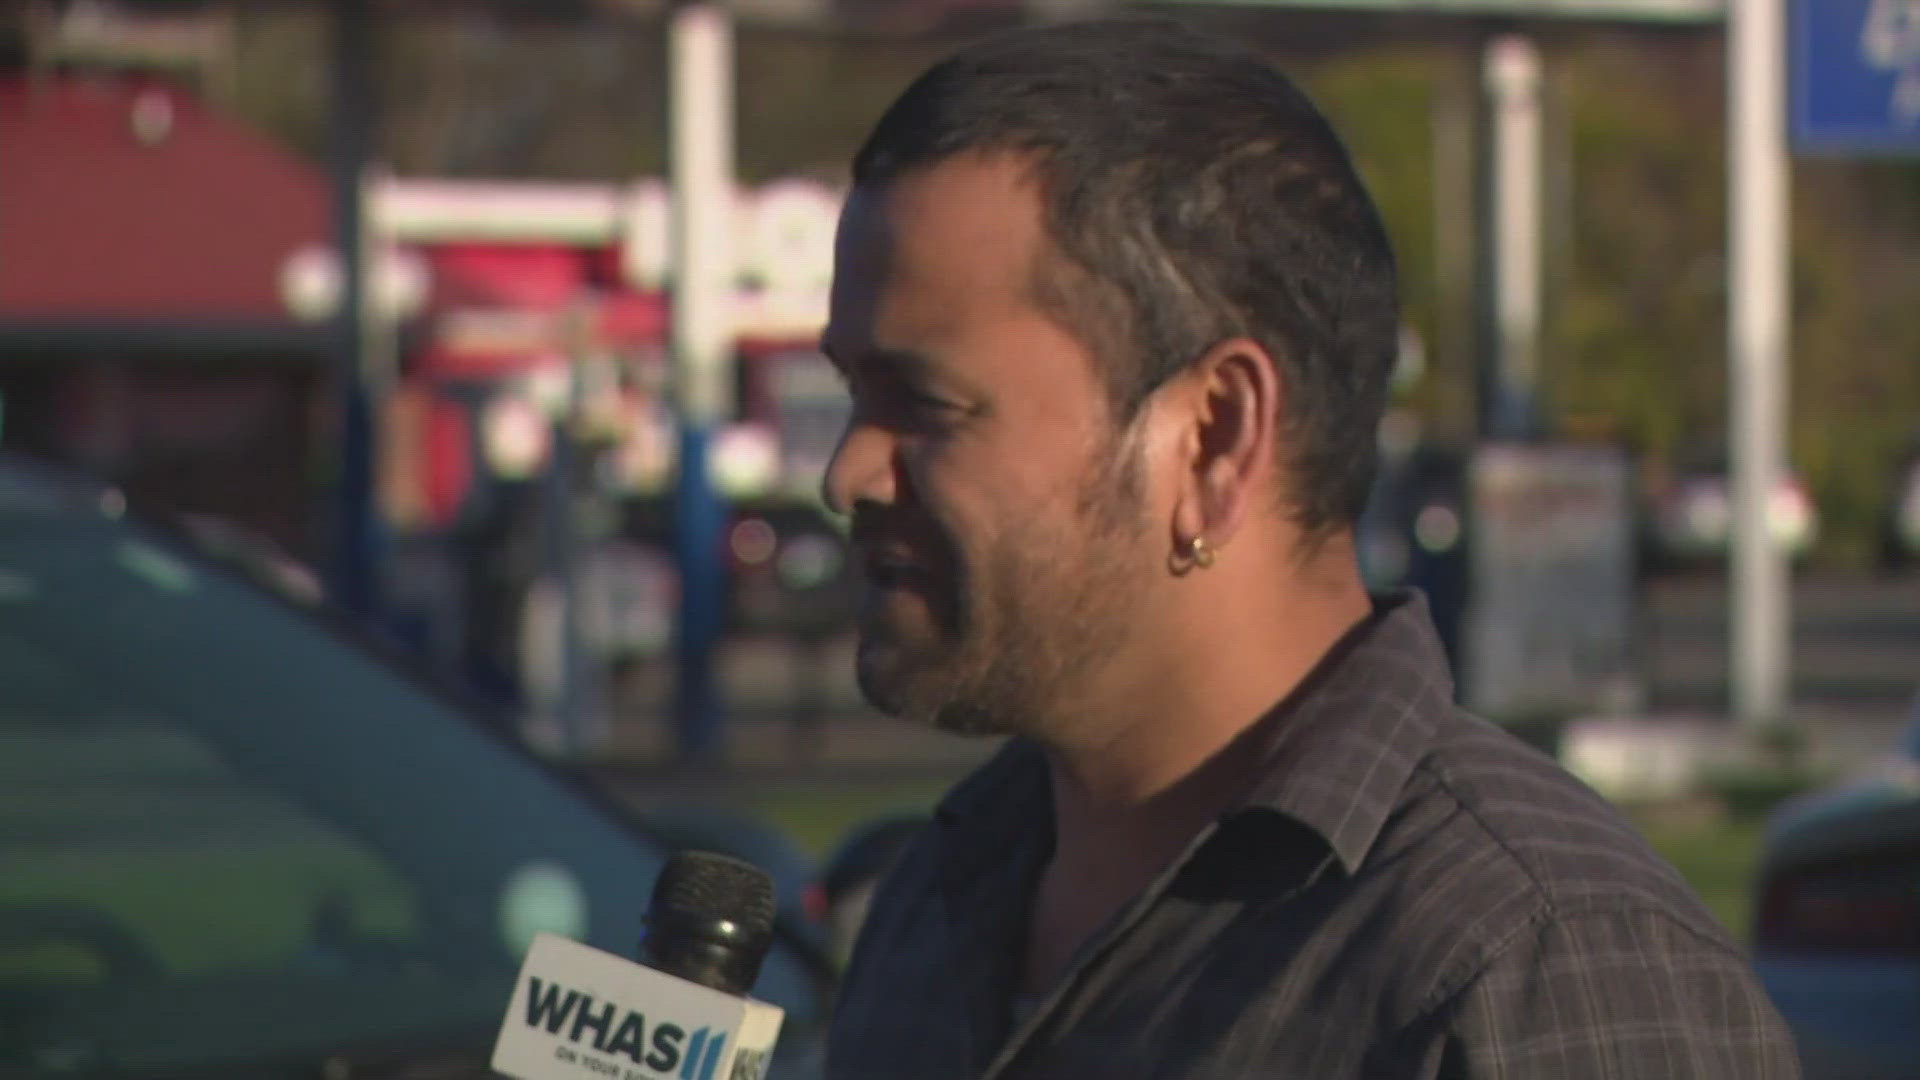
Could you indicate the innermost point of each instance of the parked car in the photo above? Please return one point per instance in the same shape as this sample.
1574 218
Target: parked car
1901 528
1691 519
1837 937
239 841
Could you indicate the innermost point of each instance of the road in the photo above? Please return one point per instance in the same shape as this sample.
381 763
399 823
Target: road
1855 646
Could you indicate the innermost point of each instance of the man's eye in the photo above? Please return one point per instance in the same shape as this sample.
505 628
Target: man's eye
926 402
902 404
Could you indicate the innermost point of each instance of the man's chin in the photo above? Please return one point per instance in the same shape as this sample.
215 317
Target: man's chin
896 684
959 718
917 690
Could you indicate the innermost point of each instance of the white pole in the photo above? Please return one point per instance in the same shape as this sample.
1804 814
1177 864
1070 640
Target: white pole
701 161
1512 72
700 60
1757 309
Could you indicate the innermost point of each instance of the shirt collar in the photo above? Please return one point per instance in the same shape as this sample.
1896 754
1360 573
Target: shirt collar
1006 807
1336 752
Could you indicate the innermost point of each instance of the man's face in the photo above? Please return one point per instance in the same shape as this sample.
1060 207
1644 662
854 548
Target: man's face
1001 515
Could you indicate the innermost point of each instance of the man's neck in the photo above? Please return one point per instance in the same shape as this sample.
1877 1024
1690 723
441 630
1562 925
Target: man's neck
1156 759
1154 756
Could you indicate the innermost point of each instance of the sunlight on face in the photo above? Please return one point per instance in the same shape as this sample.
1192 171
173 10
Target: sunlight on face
1000 517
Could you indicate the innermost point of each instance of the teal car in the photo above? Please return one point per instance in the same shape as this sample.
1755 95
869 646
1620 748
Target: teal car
238 841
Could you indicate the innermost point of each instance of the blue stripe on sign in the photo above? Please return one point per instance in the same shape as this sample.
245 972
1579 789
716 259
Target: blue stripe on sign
690 1066
713 1056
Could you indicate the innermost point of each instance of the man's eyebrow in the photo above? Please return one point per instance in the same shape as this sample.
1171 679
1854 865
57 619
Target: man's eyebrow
891 360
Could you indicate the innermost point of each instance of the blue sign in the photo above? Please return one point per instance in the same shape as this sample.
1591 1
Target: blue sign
1856 76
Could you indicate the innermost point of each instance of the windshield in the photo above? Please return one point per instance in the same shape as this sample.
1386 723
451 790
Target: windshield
229 838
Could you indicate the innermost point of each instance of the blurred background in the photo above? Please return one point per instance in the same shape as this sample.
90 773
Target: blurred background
380 306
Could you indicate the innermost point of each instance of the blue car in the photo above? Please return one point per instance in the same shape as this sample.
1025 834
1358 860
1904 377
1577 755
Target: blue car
1837 938
236 841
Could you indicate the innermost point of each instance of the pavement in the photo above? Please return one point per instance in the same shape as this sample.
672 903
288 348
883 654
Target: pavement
1854 642
1855 648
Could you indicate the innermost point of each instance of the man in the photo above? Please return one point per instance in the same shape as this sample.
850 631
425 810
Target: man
1117 318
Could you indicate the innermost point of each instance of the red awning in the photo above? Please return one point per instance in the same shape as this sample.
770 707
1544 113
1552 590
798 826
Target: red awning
500 308
126 199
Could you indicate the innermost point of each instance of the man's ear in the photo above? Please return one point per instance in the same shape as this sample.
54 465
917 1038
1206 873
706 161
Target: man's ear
1231 445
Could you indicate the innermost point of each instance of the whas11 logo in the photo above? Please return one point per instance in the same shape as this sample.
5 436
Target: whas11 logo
1890 40
610 1029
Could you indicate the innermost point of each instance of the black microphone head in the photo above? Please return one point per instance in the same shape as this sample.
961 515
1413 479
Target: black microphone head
710 920
718 886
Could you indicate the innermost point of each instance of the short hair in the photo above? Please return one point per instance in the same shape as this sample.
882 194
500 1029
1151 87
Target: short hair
1191 193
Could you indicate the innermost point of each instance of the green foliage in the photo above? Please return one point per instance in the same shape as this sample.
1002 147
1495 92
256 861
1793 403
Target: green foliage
1856 378
1380 102
1641 324
1754 790
1718 854
1635 341
1641 333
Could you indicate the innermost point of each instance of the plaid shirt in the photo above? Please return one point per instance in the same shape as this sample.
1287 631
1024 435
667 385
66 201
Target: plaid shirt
1407 892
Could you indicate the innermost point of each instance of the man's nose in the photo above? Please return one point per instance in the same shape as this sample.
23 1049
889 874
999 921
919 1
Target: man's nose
861 470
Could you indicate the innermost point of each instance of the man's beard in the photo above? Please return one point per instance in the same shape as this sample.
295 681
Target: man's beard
1028 621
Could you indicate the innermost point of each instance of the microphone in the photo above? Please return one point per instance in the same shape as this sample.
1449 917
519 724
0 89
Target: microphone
710 921
682 1013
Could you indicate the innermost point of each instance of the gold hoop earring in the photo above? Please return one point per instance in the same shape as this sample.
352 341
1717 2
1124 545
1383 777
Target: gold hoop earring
1199 552
1195 553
